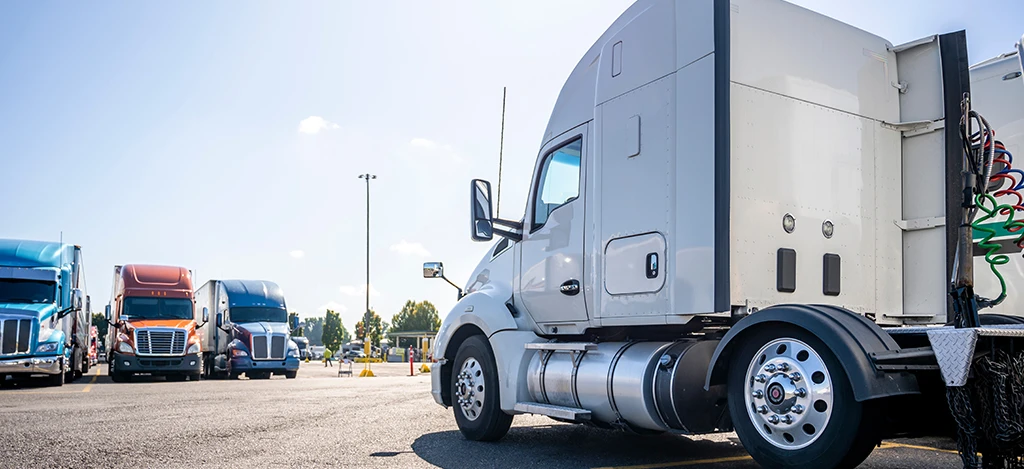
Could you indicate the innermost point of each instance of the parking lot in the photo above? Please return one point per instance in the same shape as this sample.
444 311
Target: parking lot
322 420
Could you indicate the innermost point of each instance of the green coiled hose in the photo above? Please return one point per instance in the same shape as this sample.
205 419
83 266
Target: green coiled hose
992 256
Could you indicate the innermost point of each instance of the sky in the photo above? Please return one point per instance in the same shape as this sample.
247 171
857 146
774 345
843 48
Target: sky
229 140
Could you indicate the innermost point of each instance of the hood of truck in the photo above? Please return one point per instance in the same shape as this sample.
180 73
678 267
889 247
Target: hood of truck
40 311
263 328
172 323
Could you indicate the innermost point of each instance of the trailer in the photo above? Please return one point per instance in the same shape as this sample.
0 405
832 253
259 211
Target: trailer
746 216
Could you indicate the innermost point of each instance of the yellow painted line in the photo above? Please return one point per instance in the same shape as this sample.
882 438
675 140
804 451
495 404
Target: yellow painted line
88 387
923 448
692 462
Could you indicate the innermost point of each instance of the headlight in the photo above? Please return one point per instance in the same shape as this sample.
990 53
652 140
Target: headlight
239 353
124 347
194 348
47 347
293 352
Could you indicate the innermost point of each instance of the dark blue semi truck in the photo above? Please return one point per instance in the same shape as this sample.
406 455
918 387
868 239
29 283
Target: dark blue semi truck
250 331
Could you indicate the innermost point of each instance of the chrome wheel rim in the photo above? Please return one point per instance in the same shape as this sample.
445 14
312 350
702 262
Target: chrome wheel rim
469 388
789 393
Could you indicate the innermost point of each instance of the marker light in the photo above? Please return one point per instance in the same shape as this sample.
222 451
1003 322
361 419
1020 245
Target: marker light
788 223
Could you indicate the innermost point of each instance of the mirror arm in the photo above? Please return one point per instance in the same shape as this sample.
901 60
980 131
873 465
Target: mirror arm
64 312
507 223
454 285
514 236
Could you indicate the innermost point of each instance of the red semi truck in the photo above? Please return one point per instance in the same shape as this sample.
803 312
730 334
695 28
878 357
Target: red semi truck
152 328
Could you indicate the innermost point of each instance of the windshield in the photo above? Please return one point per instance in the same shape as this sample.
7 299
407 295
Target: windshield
26 291
240 314
157 308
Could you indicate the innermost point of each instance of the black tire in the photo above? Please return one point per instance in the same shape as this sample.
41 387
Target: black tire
233 376
57 379
291 374
849 435
262 375
116 376
71 374
490 422
177 377
195 376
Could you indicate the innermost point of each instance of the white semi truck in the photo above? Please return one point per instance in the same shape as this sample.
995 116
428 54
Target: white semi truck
744 216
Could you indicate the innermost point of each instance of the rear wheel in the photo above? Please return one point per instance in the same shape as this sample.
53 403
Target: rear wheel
792 404
475 398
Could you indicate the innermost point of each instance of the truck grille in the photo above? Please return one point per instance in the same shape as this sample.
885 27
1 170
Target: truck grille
260 350
151 341
15 336
277 346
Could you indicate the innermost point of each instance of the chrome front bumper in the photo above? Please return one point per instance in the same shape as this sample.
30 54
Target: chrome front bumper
31 365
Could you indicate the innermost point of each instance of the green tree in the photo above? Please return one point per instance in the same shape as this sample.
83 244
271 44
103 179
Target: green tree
313 328
297 332
332 335
376 330
100 321
415 316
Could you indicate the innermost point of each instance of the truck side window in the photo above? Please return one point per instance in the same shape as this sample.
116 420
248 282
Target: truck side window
559 181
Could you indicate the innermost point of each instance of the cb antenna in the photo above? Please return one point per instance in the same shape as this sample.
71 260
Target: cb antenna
501 149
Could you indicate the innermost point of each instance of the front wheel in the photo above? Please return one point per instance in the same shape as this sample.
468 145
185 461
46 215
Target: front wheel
115 376
792 403
57 379
474 394
291 374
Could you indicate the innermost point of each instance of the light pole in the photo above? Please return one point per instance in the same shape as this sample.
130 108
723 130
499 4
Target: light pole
366 314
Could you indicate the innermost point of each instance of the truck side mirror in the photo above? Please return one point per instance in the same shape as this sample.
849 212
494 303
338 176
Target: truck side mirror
106 312
433 270
220 320
77 298
206 315
294 322
480 207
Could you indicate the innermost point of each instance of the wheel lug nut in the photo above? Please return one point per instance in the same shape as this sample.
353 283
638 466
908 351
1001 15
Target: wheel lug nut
798 409
769 368
762 409
784 367
758 394
795 376
787 419
760 378
774 419
801 392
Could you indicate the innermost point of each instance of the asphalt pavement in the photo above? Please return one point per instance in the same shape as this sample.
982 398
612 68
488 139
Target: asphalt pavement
322 420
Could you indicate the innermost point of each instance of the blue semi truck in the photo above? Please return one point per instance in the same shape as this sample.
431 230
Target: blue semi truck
44 311
250 333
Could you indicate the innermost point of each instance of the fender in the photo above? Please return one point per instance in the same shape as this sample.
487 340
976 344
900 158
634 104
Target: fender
481 309
850 336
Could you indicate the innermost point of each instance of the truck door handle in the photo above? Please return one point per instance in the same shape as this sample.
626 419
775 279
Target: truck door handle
570 287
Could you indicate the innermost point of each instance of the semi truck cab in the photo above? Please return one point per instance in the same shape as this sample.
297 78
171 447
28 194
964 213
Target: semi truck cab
743 216
151 324
251 333
44 319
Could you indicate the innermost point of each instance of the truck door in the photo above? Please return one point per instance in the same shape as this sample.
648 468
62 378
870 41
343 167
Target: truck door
551 279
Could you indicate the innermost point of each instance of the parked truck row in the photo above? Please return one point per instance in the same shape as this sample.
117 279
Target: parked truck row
157 323
746 216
